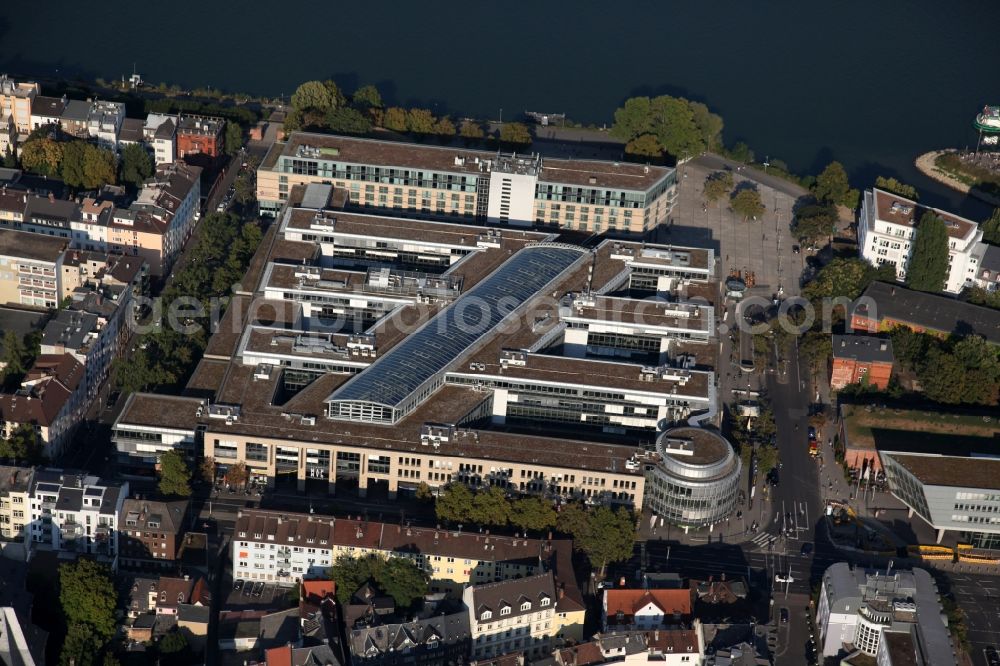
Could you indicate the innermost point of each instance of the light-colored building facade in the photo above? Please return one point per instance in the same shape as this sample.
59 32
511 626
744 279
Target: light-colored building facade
429 181
15 103
50 401
887 231
31 269
15 510
76 513
512 616
160 133
857 606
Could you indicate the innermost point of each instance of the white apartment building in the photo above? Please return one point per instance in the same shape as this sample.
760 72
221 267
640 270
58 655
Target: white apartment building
160 132
76 513
104 122
887 230
15 514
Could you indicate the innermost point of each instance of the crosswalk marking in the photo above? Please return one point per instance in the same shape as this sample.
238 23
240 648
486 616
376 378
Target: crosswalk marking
761 540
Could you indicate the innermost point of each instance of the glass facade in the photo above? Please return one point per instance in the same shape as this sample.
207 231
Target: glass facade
697 486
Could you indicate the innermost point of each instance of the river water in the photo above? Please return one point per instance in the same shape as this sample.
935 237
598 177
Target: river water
870 83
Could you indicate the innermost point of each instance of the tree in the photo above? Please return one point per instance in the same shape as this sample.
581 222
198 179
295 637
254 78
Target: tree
72 167
23 445
315 95
816 347
207 469
10 159
644 145
747 202
741 153
896 187
471 130
366 98
43 156
88 597
136 165
841 278
682 128
605 535
908 346
945 382
832 186
351 573
395 119
982 369
175 477
345 120
533 513
490 507
237 475
233 138
424 493
927 269
709 124
100 167
717 185
13 359
454 503
767 458
991 228
444 127
172 643
402 579
80 646
814 223
420 121
516 134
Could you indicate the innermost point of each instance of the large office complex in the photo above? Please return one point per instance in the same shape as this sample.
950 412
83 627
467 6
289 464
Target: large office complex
859 608
391 352
469 185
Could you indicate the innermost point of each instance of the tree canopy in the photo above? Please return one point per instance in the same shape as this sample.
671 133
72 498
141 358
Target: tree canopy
927 269
87 595
959 370
490 507
87 166
136 165
367 97
399 577
991 228
681 127
814 223
175 475
747 202
841 278
516 134
644 145
718 185
23 445
233 138
833 187
534 514
43 155
603 534
14 359
896 187
318 95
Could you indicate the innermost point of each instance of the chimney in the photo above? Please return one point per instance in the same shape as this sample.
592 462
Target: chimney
52 197
883 346
621 582
723 576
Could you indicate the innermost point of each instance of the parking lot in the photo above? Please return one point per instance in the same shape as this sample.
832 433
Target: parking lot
979 597
254 595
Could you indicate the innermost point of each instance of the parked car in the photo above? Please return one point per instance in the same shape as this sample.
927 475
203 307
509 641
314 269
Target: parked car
258 589
806 550
784 615
238 584
812 434
992 655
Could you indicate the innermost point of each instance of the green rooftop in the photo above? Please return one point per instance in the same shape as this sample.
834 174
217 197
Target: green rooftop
914 430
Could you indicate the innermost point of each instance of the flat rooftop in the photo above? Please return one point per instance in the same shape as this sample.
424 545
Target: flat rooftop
447 159
982 473
914 430
706 446
27 245
164 411
900 210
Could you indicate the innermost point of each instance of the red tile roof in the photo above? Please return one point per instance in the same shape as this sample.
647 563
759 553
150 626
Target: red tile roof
629 602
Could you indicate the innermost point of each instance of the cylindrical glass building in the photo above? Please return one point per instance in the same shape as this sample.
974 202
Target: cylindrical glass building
695 481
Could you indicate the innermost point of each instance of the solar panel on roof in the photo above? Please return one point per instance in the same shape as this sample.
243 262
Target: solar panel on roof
396 375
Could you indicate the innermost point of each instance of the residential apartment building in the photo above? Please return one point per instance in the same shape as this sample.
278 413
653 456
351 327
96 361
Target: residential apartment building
31 269
50 400
47 111
624 609
858 607
199 135
436 639
160 133
15 512
150 533
77 513
442 182
104 122
861 359
512 616
15 110
882 307
172 199
289 547
889 224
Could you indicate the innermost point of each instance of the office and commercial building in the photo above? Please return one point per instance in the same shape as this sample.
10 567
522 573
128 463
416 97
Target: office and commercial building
468 185
694 479
857 608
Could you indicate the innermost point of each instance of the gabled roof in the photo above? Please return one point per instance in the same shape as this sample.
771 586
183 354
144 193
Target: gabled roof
493 597
629 602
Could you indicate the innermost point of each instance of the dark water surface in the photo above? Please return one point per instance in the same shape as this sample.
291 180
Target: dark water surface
872 83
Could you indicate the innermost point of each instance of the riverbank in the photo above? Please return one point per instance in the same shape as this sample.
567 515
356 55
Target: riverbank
927 165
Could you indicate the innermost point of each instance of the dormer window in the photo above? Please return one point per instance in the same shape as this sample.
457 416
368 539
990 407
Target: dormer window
243 535
486 615
544 601
163 596
258 535
505 610
526 606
